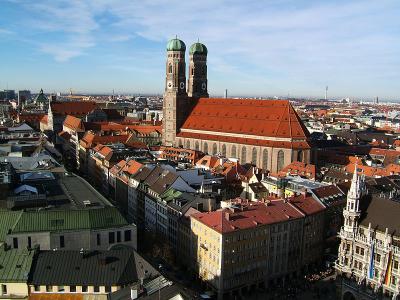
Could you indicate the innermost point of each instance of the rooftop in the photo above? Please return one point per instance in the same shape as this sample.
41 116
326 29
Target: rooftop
15 265
248 215
104 268
258 118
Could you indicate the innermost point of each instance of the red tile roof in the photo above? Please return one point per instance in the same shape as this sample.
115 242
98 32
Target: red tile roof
73 123
90 139
299 168
249 215
74 108
267 118
306 204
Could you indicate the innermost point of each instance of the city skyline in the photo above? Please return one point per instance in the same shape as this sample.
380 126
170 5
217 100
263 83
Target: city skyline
273 48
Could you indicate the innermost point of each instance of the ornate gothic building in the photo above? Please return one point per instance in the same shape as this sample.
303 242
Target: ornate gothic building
267 133
369 252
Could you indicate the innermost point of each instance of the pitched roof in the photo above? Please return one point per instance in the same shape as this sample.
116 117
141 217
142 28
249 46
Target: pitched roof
73 123
60 220
91 139
307 204
381 213
113 267
259 118
74 108
15 265
249 215
299 168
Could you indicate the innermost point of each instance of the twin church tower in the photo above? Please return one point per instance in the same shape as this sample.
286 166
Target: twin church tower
179 97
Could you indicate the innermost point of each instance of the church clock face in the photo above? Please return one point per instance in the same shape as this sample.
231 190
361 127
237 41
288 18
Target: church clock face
169 84
182 85
203 86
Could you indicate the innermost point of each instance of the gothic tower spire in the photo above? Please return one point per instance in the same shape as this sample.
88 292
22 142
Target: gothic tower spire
175 96
197 82
352 211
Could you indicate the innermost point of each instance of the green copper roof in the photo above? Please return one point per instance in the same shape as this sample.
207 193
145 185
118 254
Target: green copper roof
176 45
15 265
41 97
198 48
170 195
59 220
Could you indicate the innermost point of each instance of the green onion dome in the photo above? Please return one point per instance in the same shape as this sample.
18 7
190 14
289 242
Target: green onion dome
176 45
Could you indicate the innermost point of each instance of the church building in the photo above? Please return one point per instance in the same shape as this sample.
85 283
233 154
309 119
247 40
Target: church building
266 133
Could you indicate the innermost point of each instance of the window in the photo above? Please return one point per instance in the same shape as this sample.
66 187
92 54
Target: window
62 242
15 243
98 238
84 289
96 289
72 288
29 242
36 288
108 289
111 237
357 249
396 264
223 150
215 149
254 156
362 251
265 159
127 236
233 151
118 236
170 68
196 146
4 289
49 288
281 160
205 148
300 155
378 257
188 144
244 155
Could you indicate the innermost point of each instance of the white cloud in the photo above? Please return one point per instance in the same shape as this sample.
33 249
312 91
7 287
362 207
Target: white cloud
302 43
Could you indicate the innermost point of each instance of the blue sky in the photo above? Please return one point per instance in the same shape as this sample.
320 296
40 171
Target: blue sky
263 48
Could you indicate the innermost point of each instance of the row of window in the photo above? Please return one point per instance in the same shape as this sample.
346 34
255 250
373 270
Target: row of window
72 289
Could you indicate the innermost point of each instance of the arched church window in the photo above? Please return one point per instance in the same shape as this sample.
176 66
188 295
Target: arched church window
170 68
265 159
196 146
233 151
244 154
192 71
206 148
281 160
223 150
188 144
215 149
299 155
254 156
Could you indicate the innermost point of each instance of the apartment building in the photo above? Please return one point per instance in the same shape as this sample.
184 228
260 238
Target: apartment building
369 252
250 244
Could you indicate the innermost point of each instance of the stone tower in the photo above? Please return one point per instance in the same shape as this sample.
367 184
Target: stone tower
175 96
352 211
197 82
